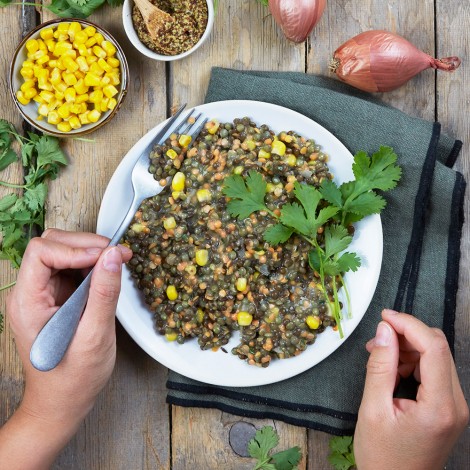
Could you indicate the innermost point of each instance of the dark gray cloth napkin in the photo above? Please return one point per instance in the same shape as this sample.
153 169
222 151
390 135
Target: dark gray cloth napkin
422 228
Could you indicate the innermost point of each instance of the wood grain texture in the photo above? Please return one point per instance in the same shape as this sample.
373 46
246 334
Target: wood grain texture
453 104
12 23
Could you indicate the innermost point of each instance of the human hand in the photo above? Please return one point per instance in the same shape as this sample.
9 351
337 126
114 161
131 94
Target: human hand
396 433
63 396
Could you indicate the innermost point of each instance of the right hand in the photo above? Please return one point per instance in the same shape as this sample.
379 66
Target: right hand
401 434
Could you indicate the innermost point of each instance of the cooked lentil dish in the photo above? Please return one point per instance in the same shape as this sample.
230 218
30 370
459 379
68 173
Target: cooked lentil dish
205 274
190 21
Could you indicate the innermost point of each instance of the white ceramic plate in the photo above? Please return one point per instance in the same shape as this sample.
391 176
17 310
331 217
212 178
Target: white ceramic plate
220 368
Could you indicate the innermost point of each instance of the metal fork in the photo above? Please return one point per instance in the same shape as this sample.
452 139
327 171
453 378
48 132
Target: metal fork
53 340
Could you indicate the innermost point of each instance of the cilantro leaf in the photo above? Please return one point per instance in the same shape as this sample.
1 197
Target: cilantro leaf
247 194
293 215
7 201
331 193
7 158
342 453
287 459
264 441
348 262
277 233
48 151
337 239
367 204
35 198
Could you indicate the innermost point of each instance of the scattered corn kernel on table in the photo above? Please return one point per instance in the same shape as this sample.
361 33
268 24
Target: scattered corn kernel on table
132 427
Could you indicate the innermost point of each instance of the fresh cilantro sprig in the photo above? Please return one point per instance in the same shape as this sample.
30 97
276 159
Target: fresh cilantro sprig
69 8
41 158
329 210
260 447
341 456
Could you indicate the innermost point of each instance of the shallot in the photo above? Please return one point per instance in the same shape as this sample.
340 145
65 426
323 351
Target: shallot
382 61
297 18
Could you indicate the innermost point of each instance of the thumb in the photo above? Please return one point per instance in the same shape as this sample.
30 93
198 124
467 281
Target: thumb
382 368
104 290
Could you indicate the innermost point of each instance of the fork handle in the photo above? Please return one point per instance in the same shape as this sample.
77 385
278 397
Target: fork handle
53 340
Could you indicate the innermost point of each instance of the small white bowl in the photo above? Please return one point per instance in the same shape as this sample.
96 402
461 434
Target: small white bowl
132 35
30 111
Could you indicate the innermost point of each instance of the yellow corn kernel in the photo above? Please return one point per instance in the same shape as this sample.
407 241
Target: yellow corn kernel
291 160
70 94
21 98
80 87
99 52
75 109
176 194
81 97
84 118
61 87
109 48
82 50
42 45
104 105
95 96
74 122
113 62
94 115
59 95
43 60
200 315
64 111
38 99
90 42
171 293
171 154
46 95
46 33
64 126
50 44
81 37
63 27
263 154
91 59
74 28
184 140
95 69
56 76
37 55
112 103
202 257
82 64
26 72
105 80
313 322
244 318
99 38
178 181
70 64
278 147
241 284
104 65
61 47
114 78
53 117
43 110
72 54
69 78
27 84
171 336
90 31
32 46
212 126
203 195
169 223
30 93
92 80
110 91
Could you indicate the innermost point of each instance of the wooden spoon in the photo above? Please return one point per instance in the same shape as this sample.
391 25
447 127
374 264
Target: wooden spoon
154 18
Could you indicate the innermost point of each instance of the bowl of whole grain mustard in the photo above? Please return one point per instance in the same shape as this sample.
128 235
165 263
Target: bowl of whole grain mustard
193 21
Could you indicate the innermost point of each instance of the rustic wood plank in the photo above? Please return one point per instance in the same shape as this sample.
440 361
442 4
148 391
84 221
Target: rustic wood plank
11 378
244 37
453 98
129 427
200 439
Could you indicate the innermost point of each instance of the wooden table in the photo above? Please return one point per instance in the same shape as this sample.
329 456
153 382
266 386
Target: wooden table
131 427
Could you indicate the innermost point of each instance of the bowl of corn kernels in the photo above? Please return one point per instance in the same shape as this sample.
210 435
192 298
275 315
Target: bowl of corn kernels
68 77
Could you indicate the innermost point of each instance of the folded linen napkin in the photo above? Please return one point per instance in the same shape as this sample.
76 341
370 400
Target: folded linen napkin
422 227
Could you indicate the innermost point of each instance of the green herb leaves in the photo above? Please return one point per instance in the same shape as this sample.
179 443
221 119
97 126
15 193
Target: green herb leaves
342 453
260 447
41 158
322 216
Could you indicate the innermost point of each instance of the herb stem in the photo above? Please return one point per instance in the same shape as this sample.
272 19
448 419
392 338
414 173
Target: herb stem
7 286
346 293
12 185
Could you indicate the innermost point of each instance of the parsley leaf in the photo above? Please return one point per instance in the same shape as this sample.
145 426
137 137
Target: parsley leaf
342 453
265 440
277 233
248 194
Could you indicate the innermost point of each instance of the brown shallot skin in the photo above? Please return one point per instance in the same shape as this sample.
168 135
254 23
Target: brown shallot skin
378 61
297 18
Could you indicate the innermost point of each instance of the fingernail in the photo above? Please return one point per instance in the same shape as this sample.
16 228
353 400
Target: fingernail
383 334
94 251
124 250
389 311
112 260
